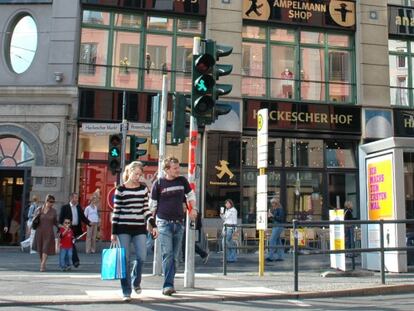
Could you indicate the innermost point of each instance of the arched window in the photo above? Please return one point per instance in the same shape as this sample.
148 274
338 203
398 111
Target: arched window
14 152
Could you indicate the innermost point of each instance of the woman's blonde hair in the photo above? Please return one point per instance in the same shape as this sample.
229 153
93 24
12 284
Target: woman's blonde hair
130 168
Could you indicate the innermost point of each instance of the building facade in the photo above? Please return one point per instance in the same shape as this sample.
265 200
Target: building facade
333 74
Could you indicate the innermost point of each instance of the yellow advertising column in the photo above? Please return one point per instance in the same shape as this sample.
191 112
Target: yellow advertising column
261 203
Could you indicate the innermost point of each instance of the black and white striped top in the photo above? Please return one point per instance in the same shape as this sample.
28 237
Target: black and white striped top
131 210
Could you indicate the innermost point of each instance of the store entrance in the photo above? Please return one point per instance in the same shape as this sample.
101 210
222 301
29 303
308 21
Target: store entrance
14 192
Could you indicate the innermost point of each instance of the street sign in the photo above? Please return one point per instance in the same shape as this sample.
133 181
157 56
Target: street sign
262 137
110 198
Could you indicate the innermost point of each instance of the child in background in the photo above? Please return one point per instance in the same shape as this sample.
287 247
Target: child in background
66 245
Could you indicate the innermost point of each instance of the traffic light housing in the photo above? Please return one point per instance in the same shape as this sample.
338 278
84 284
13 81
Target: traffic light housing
205 90
135 151
219 71
179 119
203 81
114 153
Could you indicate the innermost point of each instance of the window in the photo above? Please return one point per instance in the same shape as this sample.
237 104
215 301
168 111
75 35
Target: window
23 44
118 52
15 152
304 65
401 54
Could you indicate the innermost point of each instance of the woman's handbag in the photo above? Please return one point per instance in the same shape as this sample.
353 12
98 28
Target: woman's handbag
113 262
36 221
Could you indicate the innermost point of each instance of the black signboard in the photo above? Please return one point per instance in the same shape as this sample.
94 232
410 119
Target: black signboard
307 117
404 123
318 13
401 20
194 7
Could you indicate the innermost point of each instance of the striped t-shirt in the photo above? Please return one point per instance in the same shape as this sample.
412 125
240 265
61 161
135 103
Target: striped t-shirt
131 210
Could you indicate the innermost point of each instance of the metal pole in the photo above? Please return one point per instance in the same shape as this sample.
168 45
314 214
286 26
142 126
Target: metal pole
157 263
382 251
124 131
225 250
295 256
192 164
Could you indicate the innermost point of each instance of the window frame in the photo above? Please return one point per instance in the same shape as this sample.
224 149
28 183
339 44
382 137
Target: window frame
327 48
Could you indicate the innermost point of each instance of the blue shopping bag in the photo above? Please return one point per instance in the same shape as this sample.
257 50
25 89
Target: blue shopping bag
113 263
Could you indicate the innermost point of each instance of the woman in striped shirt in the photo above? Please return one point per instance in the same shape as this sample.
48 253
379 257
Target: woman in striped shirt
130 220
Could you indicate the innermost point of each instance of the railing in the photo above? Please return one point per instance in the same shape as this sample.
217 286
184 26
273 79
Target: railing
296 224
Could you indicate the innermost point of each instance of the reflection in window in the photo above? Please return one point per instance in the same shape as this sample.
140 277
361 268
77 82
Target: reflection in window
253 69
340 154
283 83
157 60
95 17
128 20
183 63
190 26
15 152
87 58
303 152
160 23
23 44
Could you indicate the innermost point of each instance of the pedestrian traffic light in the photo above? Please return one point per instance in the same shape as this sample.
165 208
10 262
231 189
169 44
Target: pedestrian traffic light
135 151
179 119
114 153
202 101
155 119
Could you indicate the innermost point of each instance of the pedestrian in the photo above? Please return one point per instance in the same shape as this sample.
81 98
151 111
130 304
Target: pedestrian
66 237
167 196
349 229
15 222
92 213
131 219
74 212
228 214
277 217
34 205
44 239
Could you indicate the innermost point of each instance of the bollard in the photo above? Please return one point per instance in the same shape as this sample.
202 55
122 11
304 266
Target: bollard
295 256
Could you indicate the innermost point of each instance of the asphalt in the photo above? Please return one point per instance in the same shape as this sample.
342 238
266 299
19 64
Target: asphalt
21 282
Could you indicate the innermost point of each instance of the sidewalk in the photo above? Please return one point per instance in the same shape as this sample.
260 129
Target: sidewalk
22 284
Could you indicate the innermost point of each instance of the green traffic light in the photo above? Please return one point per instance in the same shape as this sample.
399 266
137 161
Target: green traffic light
114 152
201 87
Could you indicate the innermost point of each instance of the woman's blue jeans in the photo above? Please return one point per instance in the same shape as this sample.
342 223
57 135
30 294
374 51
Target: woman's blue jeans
230 244
170 238
275 240
133 278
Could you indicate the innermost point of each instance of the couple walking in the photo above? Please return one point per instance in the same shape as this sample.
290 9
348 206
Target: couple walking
137 210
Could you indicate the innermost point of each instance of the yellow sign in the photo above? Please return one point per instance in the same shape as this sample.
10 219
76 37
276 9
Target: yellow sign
380 185
342 12
256 9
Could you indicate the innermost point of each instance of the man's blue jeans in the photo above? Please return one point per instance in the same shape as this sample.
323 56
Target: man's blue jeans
133 278
170 237
65 257
275 240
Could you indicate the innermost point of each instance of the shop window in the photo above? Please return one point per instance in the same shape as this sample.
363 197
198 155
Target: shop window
340 154
189 25
160 23
157 60
339 66
95 17
253 69
303 153
283 76
183 64
128 20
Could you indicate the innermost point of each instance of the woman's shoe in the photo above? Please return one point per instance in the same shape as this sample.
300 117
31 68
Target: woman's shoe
42 268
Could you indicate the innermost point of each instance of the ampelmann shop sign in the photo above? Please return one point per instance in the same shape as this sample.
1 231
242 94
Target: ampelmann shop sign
400 20
302 116
318 13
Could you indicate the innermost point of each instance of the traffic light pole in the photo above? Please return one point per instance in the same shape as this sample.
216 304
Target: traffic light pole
192 164
157 264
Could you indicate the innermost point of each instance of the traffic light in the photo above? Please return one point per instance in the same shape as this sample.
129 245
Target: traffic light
134 150
203 80
179 119
155 119
219 71
114 153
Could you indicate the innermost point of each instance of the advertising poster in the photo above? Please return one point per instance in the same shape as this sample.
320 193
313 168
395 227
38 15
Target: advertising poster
380 187
337 239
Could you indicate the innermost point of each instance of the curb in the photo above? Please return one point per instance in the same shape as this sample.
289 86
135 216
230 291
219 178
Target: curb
205 296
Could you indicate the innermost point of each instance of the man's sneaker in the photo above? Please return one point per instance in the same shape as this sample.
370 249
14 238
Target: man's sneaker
126 298
168 291
138 290
205 259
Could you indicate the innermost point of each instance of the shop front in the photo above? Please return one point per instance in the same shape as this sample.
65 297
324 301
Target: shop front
312 154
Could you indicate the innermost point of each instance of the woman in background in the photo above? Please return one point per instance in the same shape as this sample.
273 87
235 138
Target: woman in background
229 216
